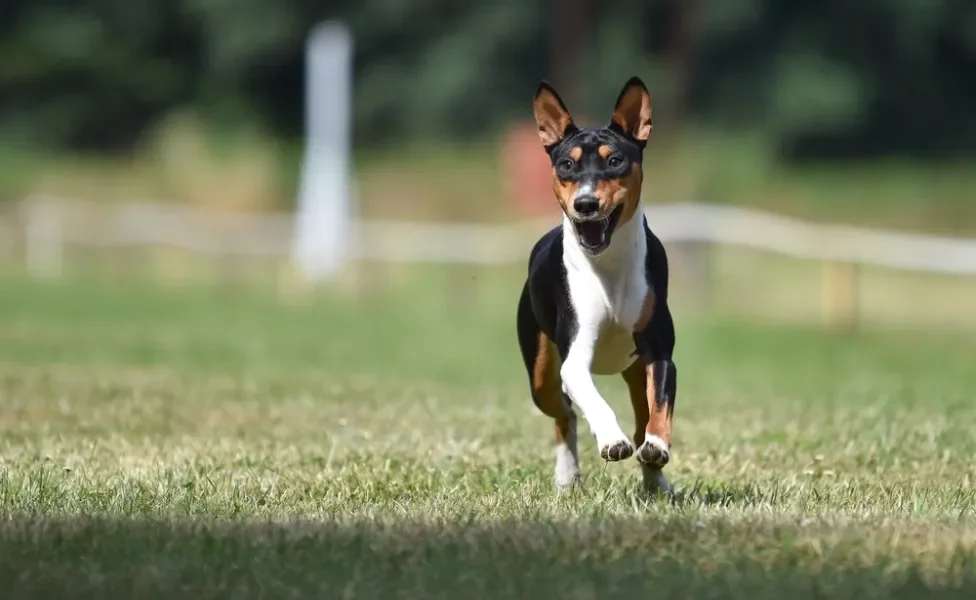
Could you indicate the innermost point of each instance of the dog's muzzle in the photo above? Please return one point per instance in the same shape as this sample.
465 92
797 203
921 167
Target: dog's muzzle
595 233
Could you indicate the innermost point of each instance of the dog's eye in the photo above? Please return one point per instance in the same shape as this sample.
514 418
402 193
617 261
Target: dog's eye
566 165
614 161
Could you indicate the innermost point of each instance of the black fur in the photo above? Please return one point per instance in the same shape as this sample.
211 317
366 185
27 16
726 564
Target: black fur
545 305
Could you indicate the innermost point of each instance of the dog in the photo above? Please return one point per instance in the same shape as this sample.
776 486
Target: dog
595 300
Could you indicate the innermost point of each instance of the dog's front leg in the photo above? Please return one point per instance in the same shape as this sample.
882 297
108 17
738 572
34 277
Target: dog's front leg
655 452
578 384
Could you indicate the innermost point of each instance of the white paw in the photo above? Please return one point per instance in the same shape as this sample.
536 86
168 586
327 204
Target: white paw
567 468
618 450
613 443
654 451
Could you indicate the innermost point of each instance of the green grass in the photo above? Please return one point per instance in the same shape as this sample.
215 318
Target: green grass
215 444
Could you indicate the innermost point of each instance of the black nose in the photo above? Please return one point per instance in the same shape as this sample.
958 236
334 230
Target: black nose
586 205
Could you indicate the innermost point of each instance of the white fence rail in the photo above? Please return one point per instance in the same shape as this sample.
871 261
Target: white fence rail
49 227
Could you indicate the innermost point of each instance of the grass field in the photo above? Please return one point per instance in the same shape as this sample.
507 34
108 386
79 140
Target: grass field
210 444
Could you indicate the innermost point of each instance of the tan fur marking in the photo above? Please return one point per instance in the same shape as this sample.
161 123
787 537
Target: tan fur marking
659 423
631 183
626 191
604 151
565 191
576 153
547 387
649 417
635 377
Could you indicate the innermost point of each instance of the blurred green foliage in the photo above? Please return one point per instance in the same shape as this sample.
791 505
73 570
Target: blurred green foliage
816 78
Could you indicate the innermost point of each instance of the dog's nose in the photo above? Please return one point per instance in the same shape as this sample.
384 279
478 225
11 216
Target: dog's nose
586 205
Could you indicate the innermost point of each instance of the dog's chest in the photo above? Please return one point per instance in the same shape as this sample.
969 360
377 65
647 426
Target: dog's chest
608 305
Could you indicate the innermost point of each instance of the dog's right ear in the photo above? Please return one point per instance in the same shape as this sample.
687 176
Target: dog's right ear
551 116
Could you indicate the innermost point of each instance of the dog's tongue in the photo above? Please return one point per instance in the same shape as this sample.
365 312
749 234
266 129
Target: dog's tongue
591 232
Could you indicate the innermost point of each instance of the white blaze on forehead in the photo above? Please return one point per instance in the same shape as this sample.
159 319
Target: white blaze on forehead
585 189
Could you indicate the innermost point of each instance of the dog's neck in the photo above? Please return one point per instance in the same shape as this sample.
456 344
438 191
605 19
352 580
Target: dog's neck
627 248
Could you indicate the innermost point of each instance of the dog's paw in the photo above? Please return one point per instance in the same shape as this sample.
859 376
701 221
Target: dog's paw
566 483
567 474
653 452
619 450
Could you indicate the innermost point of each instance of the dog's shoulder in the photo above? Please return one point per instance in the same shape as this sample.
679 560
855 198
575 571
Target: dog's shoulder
547 253
655 261
547 280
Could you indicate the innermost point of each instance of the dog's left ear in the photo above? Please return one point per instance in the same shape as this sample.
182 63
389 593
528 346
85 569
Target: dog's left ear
632 114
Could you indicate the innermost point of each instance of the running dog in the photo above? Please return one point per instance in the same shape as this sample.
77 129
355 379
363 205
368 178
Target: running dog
596 297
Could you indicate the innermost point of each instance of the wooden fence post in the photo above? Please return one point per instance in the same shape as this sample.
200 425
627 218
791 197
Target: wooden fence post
839 298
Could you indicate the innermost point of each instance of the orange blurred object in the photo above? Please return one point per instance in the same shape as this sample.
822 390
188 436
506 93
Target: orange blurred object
527 172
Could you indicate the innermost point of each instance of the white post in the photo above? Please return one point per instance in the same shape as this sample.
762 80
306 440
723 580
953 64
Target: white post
324 203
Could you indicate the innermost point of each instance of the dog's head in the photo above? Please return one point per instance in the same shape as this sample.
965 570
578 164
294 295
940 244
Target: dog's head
596 172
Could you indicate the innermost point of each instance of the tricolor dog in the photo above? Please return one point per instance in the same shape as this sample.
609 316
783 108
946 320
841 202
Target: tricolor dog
596 297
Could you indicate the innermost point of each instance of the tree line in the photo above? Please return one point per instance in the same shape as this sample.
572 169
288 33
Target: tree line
816 78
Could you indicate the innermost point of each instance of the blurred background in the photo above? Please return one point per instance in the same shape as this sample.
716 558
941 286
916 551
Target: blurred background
167 141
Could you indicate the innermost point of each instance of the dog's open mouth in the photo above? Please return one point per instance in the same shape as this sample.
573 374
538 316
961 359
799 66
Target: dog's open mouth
594 235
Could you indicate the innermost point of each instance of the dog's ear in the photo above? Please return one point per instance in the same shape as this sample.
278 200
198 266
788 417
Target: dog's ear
632 113
551 116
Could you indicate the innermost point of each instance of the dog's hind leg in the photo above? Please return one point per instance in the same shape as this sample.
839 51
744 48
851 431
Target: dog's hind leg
542 365
548 396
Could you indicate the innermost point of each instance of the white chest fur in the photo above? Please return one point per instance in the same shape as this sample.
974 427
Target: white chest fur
607 293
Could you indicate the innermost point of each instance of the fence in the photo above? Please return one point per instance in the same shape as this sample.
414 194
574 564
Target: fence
48 227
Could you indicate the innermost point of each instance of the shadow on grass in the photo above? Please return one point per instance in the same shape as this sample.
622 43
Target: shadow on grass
615 558
701 495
